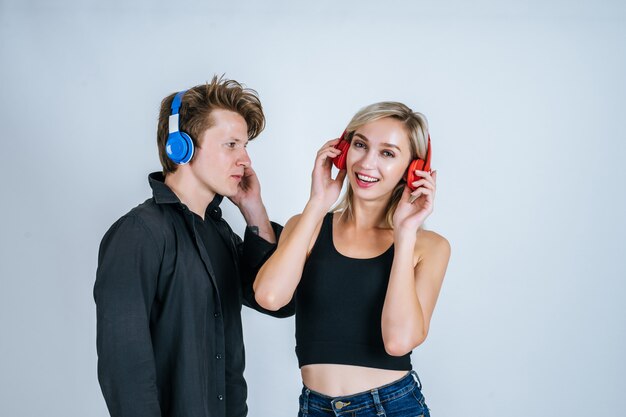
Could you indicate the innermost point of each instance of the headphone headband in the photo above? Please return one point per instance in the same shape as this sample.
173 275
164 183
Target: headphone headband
173 119
179 146
178 100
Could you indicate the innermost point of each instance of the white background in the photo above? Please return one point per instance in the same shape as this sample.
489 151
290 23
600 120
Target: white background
525 102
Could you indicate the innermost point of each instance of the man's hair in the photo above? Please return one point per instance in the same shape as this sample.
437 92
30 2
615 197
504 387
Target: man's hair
195 112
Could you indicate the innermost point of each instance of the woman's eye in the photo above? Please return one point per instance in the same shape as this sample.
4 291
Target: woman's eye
358 144
388 154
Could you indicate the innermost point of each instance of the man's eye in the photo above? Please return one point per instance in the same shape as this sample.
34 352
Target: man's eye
231 144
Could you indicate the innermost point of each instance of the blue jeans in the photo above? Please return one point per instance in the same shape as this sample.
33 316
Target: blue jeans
402 398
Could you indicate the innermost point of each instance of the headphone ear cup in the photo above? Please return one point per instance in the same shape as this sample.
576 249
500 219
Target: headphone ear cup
340 161
179 147
411 176
420 165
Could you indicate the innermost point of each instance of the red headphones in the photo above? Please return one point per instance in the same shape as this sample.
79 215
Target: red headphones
410 177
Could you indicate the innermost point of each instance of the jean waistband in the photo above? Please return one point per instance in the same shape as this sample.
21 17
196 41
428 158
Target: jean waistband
373 398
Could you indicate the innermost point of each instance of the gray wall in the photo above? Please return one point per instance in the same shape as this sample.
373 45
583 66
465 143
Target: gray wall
525 101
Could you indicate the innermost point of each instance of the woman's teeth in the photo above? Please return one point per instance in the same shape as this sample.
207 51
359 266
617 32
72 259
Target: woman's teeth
366 178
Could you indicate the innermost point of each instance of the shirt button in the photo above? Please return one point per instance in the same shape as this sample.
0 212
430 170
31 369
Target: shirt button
220 397
218 356
216 315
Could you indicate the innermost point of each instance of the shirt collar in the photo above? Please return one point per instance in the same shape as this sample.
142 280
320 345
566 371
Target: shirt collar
164 195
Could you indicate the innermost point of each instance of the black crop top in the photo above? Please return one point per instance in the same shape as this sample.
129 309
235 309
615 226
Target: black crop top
339 304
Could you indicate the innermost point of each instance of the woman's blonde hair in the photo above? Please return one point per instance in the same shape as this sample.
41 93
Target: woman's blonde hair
416 127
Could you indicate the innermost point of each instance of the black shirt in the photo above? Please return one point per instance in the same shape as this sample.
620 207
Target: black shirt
168 300
229 289
339 306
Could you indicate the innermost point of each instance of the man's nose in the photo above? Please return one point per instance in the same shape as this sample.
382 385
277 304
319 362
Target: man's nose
244 158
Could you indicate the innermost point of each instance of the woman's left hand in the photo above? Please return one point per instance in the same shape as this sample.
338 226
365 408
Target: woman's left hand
408 216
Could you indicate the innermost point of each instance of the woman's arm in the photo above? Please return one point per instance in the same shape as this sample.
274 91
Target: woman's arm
278 279
412 292
414 284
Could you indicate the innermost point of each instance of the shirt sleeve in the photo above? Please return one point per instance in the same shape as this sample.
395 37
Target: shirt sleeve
253 252
124 291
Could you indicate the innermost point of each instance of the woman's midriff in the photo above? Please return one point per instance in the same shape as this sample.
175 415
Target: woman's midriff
341 380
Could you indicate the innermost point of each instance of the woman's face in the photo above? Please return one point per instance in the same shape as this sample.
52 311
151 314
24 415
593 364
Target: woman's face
378 157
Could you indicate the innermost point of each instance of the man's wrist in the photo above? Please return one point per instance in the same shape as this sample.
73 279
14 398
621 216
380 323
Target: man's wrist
253 213
263 230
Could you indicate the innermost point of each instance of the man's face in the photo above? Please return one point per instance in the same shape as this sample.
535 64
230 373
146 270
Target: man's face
218 164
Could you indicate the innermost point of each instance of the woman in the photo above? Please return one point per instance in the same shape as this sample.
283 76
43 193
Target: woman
366 277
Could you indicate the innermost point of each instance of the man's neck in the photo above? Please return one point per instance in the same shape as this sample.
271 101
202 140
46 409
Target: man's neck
190 191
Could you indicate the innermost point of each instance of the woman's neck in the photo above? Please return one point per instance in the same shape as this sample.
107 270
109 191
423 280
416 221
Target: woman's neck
368 215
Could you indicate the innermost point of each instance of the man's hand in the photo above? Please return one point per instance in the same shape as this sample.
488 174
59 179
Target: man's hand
248 201
249 192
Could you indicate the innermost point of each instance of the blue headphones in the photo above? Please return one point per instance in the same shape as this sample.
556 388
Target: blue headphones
179 146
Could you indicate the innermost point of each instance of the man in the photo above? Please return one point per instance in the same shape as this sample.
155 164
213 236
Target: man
172 275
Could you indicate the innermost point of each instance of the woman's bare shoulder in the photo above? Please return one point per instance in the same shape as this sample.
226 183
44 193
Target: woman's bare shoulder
431 244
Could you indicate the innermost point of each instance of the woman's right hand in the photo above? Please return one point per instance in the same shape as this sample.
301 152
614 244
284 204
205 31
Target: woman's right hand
324 189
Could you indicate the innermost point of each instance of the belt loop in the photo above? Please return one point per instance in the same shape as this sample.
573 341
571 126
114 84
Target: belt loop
417 379
380 411
305 401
